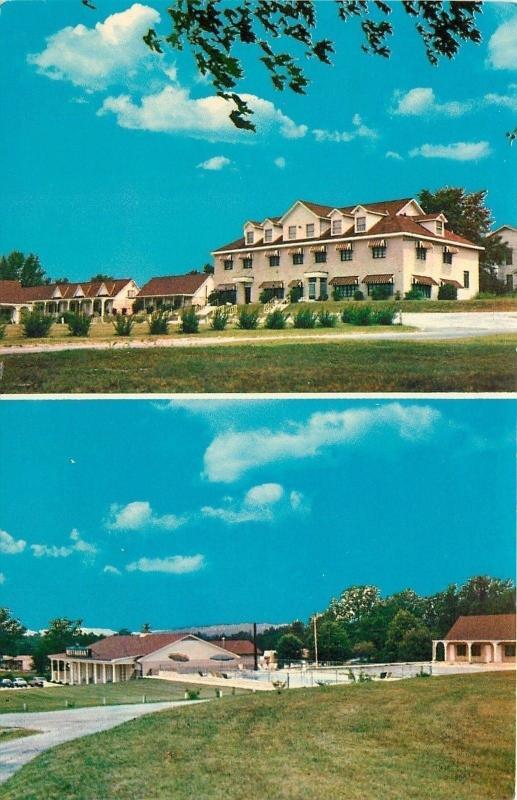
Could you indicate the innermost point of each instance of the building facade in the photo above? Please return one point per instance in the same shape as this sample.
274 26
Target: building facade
335 252
507 272
176 291
482 639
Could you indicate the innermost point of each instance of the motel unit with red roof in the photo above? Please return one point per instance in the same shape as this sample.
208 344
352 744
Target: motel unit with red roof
330 251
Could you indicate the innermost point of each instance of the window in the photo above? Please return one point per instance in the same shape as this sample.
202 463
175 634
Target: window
291 232
228 263
323 289
476 650
509 258
421 254
379 252
466 279
274 261
461 649
249 237
439 227
297 258
312 288
337 226
346 255
320 257
247 263
423 288
446 257
360 224
340 292
131 293
309 230
268 235
380 290
509 650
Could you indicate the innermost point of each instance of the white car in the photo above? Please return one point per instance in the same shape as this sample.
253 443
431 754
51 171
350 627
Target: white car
20 683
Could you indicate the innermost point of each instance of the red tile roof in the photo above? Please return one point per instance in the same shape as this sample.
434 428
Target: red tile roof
12 292
30 294
482 627
173 284
240 647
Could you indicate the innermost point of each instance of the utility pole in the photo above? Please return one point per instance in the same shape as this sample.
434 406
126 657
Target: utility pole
314 620
255 653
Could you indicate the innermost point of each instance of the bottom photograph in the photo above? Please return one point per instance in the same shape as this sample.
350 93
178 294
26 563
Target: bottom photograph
284 598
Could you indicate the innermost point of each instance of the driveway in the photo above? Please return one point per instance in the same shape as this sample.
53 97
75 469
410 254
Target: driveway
430 326
57 727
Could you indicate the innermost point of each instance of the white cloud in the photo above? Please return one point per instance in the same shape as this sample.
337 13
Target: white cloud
261 503
97 57
173 110
215 163
53 551
280 162
265 494
232 454
502 100
9 545
422 100
2 578
359 130
459 151
176 565
111 570
296 499
80 546
394 155
502 46
138 515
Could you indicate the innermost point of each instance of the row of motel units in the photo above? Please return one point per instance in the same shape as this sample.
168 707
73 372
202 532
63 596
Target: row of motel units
120 658
482 639
176 291
317 248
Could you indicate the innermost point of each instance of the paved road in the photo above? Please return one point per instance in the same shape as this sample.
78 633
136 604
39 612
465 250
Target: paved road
431 326
57 727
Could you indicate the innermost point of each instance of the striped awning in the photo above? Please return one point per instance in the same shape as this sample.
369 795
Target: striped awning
271 253
272 285
421 245
383 278
291 284
225 287
319 248
424 280
451 282
377 243
295 251
448 249
345 246
344 280
223 259
242 256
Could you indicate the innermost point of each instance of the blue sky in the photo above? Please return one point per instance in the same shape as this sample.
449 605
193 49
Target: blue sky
102 146
196 512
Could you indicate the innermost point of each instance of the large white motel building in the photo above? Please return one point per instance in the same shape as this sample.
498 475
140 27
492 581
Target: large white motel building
319 248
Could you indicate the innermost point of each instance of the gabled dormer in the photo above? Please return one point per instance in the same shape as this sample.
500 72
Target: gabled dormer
305 220
435 223
56 294
411 209
340 222
253 232
272 229
364 219
102 291
79 291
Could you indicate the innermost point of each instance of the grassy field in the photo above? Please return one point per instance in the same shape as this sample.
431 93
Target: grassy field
57 697
435 739
474 365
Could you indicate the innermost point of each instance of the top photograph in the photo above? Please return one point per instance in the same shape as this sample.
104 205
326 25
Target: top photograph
255 197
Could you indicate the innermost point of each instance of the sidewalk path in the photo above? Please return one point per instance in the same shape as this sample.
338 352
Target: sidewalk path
56 727
432 326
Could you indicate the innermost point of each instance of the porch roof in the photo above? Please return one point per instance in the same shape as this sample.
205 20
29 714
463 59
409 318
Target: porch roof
483 627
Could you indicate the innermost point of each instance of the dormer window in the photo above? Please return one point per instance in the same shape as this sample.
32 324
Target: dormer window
360 224
309 230
249 237
439 227
268 235
337 227
291 232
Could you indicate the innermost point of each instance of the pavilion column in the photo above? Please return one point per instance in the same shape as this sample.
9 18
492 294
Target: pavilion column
104 673
469 651
52 669
434 650
71 672
497 651
114 668
95 674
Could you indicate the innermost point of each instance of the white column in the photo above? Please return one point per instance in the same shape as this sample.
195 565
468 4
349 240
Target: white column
498 651
95 674
434 650
469 651
104 673
70 672
114 668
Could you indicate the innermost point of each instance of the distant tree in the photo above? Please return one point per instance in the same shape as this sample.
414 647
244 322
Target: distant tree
407 600
484 595
407 638
354 602
333 641
101 277
268 639
289 647
124 632
11 632
61 280
218 34
146 628
208 269
60 634
441 610
364 650
416 645
26 269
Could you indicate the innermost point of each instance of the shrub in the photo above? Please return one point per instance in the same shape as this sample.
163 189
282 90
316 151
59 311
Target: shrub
36 324
447 292
2 329
295 293
192 694
327 319
323 296
158 323
219 319
305 318
265 296
355 315
414 294
358 295
381 293
248 319
384 316
123 325
189 320
276 320
78 324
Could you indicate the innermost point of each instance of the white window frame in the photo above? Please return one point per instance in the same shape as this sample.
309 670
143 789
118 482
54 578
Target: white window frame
337 227
291 232
268 234
360 224
439 227
310 230
250 236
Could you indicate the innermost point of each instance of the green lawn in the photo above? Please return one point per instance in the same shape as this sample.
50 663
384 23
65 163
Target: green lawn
57 697
449 738
473 365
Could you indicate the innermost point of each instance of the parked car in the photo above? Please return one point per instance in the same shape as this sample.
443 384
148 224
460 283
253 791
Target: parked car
37 681
20 683
6 683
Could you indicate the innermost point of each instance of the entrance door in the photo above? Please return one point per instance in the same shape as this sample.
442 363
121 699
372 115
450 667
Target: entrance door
247 294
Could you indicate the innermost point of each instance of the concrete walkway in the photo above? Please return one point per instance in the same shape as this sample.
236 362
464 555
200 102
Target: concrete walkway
431 326
56 727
